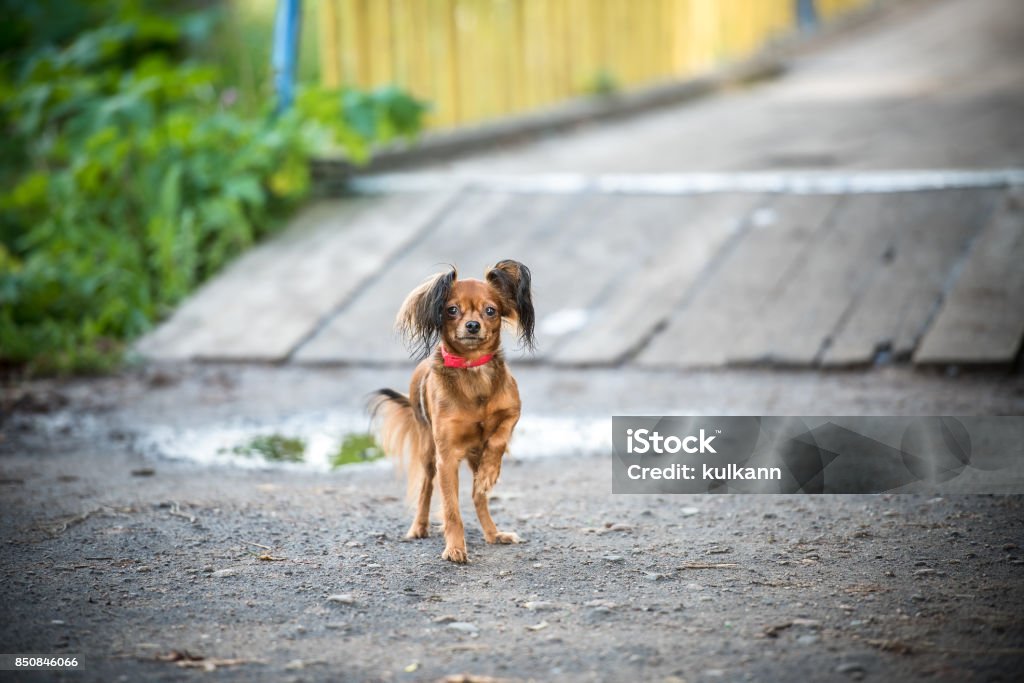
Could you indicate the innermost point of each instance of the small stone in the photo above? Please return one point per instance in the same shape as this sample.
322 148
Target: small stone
614 558
538 627
353 544
295 665
444 619
923 572
463 627
539 605
144 568
599 613
342 599
806 623
688 512
653 576
809 639
608 604
229 571
851 668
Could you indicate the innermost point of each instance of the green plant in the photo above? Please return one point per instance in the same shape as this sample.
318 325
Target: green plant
356 448
602 84
129 177
273 447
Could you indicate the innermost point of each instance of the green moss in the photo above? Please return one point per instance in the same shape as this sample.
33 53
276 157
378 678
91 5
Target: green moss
273 447
357 447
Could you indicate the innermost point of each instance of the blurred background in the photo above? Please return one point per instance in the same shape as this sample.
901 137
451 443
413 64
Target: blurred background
150 143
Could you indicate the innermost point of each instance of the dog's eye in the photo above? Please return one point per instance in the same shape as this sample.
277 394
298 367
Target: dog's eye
453 311
490 311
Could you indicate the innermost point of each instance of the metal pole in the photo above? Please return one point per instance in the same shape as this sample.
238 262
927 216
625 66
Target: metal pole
285 57
806 14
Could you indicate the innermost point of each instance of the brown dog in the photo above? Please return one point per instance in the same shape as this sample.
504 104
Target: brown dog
463 402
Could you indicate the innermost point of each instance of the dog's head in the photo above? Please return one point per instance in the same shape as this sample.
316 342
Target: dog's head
467 314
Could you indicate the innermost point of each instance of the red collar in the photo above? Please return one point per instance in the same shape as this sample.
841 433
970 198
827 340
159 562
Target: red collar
453 361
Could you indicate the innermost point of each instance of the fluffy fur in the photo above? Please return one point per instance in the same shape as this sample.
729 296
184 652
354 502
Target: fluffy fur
455 414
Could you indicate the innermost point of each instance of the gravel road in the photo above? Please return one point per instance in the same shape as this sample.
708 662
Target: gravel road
129 559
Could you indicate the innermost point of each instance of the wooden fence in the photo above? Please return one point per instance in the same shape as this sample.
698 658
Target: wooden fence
481 59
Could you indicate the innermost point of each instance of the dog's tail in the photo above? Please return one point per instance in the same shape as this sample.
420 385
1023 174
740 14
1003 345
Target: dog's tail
404 438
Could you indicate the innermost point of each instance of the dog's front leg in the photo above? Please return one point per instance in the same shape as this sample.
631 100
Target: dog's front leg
449 455
485 476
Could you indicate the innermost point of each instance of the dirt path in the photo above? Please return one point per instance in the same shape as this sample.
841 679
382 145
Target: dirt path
122 568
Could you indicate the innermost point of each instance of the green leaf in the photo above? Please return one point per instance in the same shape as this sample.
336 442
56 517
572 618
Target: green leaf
245 187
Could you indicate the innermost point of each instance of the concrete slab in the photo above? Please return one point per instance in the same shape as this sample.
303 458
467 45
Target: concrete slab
663 269
733 317
924 242
982 319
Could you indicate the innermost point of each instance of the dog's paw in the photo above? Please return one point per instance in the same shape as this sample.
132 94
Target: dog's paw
418 531
505 538
454 554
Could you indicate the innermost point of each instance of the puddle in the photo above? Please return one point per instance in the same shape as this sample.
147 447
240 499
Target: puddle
321 437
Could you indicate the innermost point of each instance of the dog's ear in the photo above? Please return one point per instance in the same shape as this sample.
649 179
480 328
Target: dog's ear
511 280
420 320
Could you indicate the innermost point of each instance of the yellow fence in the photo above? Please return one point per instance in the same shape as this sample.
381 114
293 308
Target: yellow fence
481 59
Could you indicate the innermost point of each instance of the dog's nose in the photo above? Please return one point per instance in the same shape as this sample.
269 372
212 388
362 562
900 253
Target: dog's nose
473 326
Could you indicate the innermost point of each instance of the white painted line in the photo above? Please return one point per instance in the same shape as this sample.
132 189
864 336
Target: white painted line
796 182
